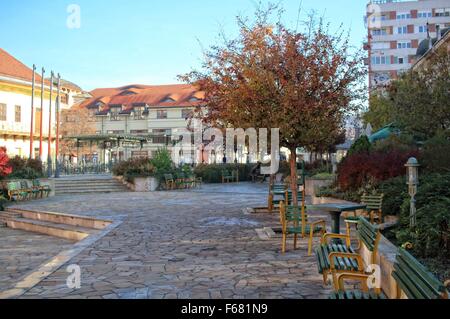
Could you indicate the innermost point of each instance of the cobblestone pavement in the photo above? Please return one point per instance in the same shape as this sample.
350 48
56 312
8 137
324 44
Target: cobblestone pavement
182 244
21 252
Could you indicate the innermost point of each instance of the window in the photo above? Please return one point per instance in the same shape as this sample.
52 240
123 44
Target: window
380 60
138 112
381 45
64 98
399 60
17 114
403 16
137 132
161 114
185 114
114 113
402 30
2 112
116 132
424 14
162 136
423 29
382 31
404 45
444 12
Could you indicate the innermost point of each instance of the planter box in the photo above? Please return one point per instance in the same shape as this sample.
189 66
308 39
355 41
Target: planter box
144 184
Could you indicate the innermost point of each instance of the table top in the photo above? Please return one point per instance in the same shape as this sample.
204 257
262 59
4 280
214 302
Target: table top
337 207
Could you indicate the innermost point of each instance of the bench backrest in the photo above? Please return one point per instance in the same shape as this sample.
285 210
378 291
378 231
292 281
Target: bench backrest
415 280
12 186
24 184
277 188
294 215
168 177
369 235
289 197
373 202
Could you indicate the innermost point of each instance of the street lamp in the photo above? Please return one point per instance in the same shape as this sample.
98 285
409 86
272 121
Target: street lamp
412 172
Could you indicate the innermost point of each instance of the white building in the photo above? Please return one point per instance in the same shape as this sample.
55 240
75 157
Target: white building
15 108
395 30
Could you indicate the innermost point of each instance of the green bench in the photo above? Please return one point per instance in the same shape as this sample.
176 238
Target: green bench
42 189
339 256
373 210
413 281
230 176
169 182
16 192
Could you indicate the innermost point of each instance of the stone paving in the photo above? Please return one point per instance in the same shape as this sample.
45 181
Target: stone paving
21 252
182 244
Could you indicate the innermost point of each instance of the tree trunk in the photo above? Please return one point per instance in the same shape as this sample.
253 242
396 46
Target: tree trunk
293 162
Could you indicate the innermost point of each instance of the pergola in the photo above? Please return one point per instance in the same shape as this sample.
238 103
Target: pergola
109 142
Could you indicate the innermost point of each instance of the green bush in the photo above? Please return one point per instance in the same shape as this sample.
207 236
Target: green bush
361 145
162 162
25 168
431 236
395 192
134 167
436 154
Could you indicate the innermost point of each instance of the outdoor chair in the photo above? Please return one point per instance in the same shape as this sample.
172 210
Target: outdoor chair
294 221
277 193
169 182
33 191
15 191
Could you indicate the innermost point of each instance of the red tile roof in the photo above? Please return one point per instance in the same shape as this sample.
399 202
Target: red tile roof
152 95
11 67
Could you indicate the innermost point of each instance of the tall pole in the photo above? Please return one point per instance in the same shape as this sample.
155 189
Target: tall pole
58 99
32 112
42 115
49 152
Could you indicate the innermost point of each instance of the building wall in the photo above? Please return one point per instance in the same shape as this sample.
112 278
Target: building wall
15 135
407 16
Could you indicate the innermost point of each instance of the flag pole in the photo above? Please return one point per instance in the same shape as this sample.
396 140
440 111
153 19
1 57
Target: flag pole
58 99
42 115
49 151
32 112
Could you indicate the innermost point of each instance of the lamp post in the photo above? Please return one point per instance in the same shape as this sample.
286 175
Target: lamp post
412 173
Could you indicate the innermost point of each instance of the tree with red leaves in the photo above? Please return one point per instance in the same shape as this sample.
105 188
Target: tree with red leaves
272 77
5 168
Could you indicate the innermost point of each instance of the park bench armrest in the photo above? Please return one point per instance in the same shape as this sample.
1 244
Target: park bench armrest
328 236
362 278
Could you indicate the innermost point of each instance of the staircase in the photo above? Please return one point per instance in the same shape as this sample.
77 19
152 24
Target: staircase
88 184
65 226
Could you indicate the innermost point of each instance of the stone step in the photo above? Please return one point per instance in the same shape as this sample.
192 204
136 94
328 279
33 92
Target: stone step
59 218
88 191
75 233
88 187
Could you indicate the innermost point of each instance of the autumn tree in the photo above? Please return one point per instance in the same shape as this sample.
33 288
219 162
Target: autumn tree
76 121
273 77
5 168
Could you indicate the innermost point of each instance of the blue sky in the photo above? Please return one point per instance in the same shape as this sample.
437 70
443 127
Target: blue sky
140 41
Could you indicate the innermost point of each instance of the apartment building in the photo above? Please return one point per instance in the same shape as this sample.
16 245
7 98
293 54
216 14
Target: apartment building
395 30
15 108
154 113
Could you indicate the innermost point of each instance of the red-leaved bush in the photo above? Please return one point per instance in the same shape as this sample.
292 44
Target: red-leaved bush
359 169
5 168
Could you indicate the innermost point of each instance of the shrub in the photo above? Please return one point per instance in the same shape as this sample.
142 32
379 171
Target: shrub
402 143
162 162
25 168
5 167
395 192
362 169
134 167
360 146
436 154
431 236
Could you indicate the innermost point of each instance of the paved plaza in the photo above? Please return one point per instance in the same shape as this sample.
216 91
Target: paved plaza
179 244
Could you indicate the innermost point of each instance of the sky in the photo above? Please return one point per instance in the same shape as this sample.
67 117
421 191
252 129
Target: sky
120 42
